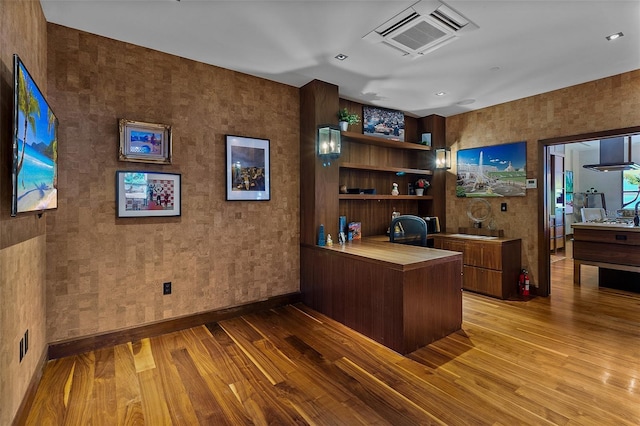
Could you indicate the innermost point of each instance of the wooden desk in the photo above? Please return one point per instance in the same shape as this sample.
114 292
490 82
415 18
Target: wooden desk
403 297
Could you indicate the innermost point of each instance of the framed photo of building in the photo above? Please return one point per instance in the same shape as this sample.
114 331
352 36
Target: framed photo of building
147 194
247 169
144 142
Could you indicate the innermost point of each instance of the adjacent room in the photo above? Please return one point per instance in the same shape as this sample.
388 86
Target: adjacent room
311 212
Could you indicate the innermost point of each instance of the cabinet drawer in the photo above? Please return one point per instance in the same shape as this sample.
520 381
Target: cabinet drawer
483 255
612 236
481 280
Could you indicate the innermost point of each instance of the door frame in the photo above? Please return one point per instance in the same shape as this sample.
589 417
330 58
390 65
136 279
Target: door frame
544 208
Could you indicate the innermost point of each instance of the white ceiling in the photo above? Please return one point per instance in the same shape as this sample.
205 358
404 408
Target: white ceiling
522 47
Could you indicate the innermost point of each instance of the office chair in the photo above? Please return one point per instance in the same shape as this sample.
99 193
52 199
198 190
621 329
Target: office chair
590 214
408 229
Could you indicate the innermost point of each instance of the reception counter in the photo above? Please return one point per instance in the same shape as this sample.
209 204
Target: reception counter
403 297
609 246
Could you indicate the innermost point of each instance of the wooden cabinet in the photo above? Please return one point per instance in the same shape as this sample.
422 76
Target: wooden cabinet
373 163
490 266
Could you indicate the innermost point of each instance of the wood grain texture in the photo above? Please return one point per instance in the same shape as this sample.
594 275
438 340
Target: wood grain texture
566 359
401 296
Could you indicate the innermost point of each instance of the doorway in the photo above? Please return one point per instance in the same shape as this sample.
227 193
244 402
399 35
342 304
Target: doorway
547 195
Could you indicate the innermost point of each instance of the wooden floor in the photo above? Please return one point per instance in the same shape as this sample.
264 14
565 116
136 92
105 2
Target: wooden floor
572 358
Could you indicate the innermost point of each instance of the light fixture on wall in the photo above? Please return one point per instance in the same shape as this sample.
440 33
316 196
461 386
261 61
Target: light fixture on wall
328 140
443 158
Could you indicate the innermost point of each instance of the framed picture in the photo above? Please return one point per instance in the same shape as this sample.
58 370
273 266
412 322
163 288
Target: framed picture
383 123
144 142
248 171
492 171
146 194
568 180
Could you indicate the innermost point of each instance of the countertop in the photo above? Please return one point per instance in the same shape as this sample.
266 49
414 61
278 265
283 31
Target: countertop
606 226
395 256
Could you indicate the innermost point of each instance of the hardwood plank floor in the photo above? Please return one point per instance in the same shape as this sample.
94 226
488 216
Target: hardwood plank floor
572 358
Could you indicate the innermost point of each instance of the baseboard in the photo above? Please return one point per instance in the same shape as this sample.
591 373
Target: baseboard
30 394
96 341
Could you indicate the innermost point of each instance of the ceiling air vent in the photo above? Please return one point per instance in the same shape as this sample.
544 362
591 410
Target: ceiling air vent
422 28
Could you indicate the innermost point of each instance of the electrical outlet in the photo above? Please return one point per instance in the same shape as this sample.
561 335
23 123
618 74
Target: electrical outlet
26 341
21 349
166 288
503 207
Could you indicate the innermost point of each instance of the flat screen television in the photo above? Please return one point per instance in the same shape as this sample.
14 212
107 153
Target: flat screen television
35 146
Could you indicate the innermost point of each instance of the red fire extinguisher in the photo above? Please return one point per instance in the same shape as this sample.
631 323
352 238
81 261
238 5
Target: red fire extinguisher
525 292
521 282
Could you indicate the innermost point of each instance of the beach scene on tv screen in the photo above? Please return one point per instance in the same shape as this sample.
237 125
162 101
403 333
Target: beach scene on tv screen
492 171
36 148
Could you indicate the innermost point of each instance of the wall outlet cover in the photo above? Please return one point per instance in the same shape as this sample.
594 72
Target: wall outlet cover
532 183
166 288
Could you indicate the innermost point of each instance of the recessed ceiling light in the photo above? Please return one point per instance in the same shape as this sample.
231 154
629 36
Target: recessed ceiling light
341 57
614 36
441 93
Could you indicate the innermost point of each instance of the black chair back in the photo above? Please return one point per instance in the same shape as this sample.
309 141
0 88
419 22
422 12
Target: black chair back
408 229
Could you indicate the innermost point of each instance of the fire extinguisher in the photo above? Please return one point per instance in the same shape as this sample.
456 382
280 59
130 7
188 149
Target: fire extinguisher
525 292
521 282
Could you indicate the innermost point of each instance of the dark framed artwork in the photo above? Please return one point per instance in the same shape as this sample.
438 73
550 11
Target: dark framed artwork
247 169
148 194
492 171
144 142
383 123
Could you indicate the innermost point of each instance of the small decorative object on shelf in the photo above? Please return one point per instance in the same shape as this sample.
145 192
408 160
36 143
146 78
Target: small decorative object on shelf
321 241
421 185
355 230
395 191
329 240
347 119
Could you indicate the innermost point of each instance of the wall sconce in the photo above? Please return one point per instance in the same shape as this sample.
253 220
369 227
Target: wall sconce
329 143
443 158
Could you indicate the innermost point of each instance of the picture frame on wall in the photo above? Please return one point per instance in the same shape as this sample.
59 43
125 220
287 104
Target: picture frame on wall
492 171
383 123
144 142
148 194
248 175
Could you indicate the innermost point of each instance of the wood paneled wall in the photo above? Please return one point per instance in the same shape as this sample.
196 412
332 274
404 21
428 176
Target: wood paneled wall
106 274
23 31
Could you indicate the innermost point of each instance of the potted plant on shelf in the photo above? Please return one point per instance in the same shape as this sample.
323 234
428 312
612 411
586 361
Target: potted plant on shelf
421 185
346 119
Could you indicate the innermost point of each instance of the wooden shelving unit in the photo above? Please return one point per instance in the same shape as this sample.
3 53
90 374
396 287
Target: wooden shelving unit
384 197
387 143
377 163
385 169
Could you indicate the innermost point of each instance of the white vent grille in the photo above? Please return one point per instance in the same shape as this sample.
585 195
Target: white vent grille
422 28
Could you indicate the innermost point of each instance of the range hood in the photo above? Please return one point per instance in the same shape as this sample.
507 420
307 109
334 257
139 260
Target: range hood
612 158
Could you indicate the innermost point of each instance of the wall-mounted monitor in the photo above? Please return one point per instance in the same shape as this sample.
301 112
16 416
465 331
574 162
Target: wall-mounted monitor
35 146
492 171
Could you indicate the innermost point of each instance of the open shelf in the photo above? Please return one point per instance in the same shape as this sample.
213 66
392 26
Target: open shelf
373 140
385 169
383 197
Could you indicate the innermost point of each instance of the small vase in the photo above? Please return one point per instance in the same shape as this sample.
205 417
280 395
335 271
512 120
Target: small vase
419 192
344 125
